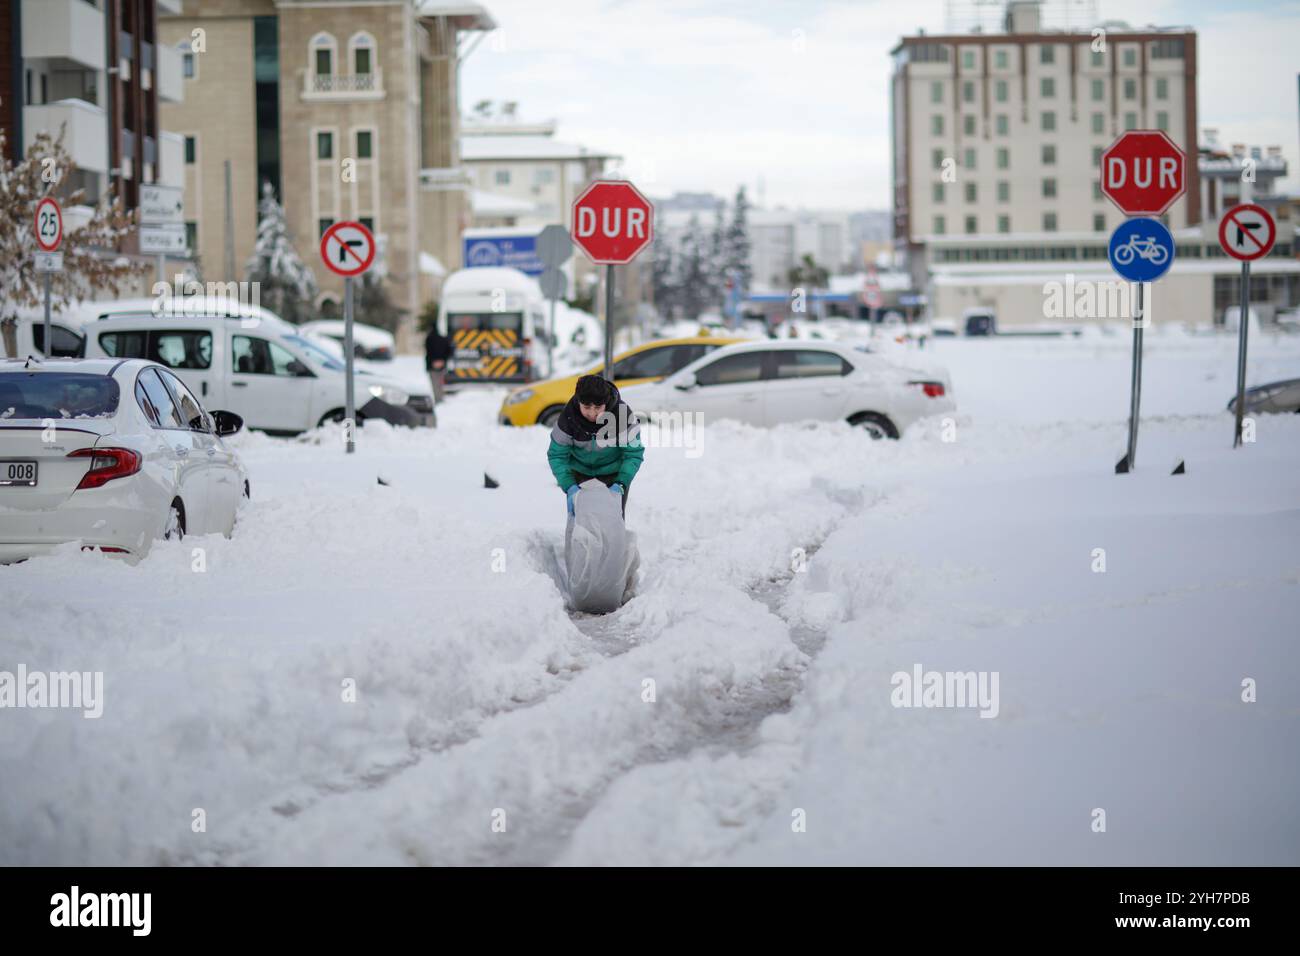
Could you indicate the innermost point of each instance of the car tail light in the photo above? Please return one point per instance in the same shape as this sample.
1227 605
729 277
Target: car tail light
106 464
104 550
931 389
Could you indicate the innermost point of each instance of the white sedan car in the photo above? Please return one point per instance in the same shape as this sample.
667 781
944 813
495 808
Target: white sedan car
774 382
113 453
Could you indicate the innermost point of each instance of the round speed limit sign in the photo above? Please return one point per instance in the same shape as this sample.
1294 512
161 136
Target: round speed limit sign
49 225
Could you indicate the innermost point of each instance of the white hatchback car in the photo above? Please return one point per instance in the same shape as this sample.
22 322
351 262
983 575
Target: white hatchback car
114 453
773 382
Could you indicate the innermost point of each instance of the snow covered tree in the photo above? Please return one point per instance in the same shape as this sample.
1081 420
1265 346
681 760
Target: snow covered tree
662 275
716 263
737 244
373 307
691 275
286 285
91 262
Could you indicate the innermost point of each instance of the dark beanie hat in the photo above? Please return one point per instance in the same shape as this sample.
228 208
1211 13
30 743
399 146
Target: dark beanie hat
593 390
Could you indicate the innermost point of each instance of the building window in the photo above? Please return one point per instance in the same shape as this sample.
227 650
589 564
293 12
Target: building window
968 92
1098 90
1099 122
937 192
968 160
971 192
501 177
1130 121
1004 223
1162 88
1162 121
1046 53
936 124
972 226
543 176
1130 56
1000 91
368 222
362 46
1049 154
187 63
1096 157
929 53
936 91
1049 188
323 46
192 235
1049 222
1130 89
324 145
1167 50
1049 122
365 145
1004 157
1047 88
1098 58
1099 222
1004 125
324 224
939 227
968 59
1004 191
1096 189
968 124
936 158
191 150
1000 59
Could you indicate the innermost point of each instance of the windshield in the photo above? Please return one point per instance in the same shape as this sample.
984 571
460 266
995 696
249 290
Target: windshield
56 395
315 352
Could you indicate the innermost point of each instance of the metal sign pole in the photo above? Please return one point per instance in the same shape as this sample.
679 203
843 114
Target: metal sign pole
1244 323
350 413
609 324
1136 386
550 344
48 342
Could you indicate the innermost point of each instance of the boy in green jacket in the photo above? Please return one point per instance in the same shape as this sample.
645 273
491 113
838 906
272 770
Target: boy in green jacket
596 436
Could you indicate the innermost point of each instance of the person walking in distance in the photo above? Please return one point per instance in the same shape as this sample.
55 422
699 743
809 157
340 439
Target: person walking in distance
437 352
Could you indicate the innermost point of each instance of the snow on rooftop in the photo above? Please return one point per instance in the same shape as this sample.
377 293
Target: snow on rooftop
474 147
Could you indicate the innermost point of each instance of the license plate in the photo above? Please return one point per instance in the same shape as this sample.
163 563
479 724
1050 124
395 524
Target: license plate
17 474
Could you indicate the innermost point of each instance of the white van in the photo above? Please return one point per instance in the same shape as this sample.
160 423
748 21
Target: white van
496 320
246 360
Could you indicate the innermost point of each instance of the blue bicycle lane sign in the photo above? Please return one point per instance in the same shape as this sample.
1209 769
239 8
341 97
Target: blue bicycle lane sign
1141 250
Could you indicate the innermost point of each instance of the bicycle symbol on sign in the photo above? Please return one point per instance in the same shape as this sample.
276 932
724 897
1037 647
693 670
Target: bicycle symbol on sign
1148 249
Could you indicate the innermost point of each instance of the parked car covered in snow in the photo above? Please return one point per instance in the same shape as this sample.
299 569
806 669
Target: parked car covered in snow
114 454
780 381
1275 397
368 341
254 364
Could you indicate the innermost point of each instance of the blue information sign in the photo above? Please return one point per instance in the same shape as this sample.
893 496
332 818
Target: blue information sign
516 252
1141 250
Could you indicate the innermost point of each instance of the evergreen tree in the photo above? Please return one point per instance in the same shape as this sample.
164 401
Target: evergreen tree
716 264
286 285
737 244
691 274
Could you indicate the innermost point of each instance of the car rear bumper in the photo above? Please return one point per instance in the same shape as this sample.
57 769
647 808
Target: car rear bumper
90 523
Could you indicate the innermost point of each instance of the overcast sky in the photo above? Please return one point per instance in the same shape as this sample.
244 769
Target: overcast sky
707 94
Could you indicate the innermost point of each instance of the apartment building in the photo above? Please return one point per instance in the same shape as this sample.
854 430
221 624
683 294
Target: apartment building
93 70
348 109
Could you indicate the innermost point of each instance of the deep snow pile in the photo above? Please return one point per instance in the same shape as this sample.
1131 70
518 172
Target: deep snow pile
691 724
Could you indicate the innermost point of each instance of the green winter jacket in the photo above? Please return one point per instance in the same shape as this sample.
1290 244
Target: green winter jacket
575 447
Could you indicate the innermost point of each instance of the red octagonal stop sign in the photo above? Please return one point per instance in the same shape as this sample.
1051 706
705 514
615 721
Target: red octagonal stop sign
1143 172
612 222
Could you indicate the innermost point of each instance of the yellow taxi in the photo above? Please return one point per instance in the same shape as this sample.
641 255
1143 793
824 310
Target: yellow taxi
540 403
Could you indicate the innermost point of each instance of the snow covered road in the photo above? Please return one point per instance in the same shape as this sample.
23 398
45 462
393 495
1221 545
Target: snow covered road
374 673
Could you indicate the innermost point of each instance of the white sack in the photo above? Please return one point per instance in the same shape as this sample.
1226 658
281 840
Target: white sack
599 552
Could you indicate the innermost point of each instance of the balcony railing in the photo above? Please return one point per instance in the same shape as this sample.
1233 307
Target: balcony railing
343 85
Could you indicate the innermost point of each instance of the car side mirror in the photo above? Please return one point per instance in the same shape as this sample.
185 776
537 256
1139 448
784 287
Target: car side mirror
685 382
227 422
